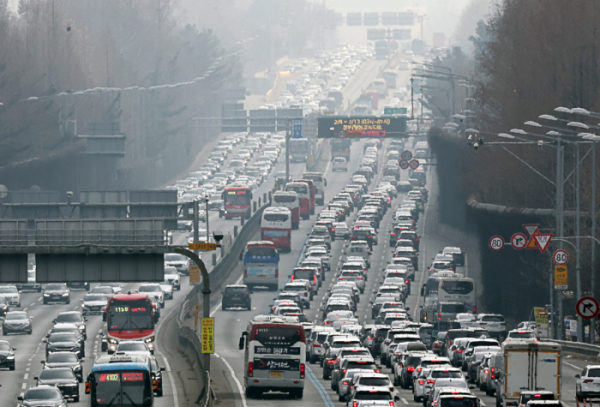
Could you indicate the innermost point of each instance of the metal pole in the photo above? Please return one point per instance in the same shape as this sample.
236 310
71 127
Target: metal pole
196 223
412 98
577 244
206 198
593 254
560 185
287 151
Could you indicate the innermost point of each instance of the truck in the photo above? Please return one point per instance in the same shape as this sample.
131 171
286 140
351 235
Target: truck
528 366
382 49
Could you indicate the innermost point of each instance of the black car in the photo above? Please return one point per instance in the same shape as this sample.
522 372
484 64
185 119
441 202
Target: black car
57 292
156 376
363 233
4 307
79 285
68 328
64 359
17 322
47 396
237 296
72 317
64 342
63 379
7 355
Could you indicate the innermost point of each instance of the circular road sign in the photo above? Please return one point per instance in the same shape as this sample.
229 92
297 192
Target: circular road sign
414 164
560 257
404 164
496 243
406 155
342 134
587 307
518 241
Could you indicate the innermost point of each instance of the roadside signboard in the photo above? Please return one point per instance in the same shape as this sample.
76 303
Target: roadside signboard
202 246
363 126
297 128
207 335
560 257
541 321
518 241
496 243
543 241
561 277
194 274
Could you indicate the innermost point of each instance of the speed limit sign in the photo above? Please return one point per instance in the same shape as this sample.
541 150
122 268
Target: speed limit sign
560 257
496 243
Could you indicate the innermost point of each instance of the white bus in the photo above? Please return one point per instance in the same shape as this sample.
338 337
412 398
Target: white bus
320 183
276 226
274 356
447 287
290 200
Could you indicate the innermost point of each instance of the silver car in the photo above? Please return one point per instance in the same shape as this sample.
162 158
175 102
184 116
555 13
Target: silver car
11 294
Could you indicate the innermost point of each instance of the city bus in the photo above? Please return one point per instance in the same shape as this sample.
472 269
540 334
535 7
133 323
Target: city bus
288 199
340 148
261 265
301 189
130 317
276 226
390 79
298 150
237 201
447 287
122 380
312 191
320 183
274 356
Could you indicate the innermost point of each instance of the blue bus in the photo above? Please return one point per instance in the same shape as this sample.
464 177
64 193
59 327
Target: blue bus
121 380
261 265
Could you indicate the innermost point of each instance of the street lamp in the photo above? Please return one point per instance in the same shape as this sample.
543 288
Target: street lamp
506 135
562 109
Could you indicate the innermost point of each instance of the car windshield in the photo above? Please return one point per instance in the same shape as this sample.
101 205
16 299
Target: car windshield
4 346
53 374
374 381
8 290
236 290
458 401
55 287
493 318
72 318
63 357
94 297
436 374
62 337
13 316
522 335
149 288
43 394
132 346
346 344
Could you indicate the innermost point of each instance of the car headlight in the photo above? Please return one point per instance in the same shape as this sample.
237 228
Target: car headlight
65 294
148 340
46 295
77 368
10 357
111 340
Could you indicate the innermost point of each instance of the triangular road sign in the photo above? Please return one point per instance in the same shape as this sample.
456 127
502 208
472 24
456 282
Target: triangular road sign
543 241
531 229
532 244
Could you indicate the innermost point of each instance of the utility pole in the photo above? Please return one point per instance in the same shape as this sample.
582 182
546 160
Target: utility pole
577 244
287 151
593 259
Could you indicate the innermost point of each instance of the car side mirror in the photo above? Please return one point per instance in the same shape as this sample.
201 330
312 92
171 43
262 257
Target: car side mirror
162 369
472 387
81 300
14 348
36 378
241 343
43 362
578 376
20 398
396 398
45 340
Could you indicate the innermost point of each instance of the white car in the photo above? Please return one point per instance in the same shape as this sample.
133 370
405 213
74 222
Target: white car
172 277
11 294
525 335
134 348
339 164
167 289
155 291
588 383
341 230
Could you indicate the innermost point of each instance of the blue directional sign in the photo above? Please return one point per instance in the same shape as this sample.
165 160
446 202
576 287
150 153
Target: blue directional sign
297 129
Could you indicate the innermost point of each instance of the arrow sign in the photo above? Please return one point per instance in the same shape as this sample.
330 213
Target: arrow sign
543 241
587 307
496 243
518 241
531 229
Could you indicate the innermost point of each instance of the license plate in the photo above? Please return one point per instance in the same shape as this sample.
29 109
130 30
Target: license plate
276 374
261 277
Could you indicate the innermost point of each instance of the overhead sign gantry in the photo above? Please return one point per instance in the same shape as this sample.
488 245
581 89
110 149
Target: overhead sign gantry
362 127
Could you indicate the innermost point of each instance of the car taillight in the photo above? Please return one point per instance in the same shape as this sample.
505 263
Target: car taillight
276 272
302 370
417 239
355 404
250 369
292 277
353 237
370 237
330 362
377 371
360 278
410 369
314 279
369 338
88 388
245 273
430 381
333 229
421 382
486 371
419 369
474 309
316 345
154 384
393 234
344 370
588 381
460 351
345 383
406 281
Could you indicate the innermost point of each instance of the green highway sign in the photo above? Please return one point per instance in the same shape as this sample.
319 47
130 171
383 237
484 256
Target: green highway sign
395 110
362 127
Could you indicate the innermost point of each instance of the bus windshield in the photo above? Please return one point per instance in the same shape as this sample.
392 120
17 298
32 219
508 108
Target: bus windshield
276 217
276 336
457 287
284 198
122 388
237 197
130 315
301 189
261 252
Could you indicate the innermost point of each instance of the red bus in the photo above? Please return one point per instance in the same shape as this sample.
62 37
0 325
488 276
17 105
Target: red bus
313 193
303 192
276 226
288 199
130 317
237 201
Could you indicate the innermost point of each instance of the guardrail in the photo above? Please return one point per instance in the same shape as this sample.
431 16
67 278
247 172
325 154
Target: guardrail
189 341
577 347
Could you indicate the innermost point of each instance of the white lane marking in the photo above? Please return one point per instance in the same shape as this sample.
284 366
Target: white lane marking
25 309
572 365
32 304
24 386
481 403
39 299
235 379
25 376
404 400
171 379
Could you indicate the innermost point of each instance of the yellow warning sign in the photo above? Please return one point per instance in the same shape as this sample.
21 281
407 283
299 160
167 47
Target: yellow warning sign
194 273
207 336
532 244
561 277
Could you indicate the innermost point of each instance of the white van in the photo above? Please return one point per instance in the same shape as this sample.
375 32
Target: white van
339 164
